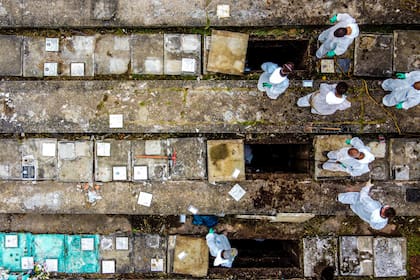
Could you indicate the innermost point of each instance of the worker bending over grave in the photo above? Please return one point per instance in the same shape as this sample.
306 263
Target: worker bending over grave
405 91
327 100
369 210
353 159
336 39
274 79
219 248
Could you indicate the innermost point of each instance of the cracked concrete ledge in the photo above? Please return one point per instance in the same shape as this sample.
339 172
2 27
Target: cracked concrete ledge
262 197
178 106
187 13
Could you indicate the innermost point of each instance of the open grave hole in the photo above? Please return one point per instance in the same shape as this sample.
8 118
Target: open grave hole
268 253
277 158
277 51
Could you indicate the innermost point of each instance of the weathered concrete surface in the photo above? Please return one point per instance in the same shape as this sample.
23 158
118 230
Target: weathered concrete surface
76 13
406 50
174 198
356 255
318 253
390 257
11 62
184 106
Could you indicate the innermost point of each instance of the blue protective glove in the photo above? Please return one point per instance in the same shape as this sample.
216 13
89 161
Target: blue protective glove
333 19
330 53
267 85
211 230
348 141
401 75
399 106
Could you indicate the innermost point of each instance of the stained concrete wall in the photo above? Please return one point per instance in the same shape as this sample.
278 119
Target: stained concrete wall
121 13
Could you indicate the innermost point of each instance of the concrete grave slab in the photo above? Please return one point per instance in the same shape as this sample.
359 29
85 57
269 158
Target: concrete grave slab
404 157
36 57
147 247
112 55
325 143
390 257
78 49
10 162
32 154
119 156
227 52
182 54
103 9
356 255
147 54
11 55
223 157
372 55
406 50
75 161
157 167
379 169
318 251
112 251
191 256
10 13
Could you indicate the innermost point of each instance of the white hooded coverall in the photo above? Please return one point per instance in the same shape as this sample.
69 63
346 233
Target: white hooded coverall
402 90
217 243
276 89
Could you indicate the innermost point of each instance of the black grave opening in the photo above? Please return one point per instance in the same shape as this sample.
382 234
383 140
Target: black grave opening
277 158
277 51
266 253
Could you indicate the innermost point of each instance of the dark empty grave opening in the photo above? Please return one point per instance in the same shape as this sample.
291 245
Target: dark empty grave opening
277 158
277 51
413 195
266 253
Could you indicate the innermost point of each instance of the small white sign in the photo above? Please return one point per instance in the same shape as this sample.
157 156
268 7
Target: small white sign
77 69
182 255
119 173
51 44
235 173
121 243
237 192
108 266
48 149
307 83
51 265
193 209
182 218
50 69
156 265
11 241
140 172
116 121
27 262
188 65
103 149
87 244
145 199
223 11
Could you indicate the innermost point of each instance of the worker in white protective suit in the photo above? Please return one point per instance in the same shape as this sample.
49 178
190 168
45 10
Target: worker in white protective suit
405 91
327 100
353 160
274 79
219 248
369 210
335 40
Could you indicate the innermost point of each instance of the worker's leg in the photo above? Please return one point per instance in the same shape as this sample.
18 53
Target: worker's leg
304 101
348 197
333 166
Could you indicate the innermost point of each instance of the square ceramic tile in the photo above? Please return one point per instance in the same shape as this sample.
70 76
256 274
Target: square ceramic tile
152 147
103 149
193 209
87 244
119 173
116 121
50 69
11 241
51 265
237 192
188 65
327 66
156 265
108 266
27 262
121 243
223 11
140 172
145 199
48 149
51 44
77 69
